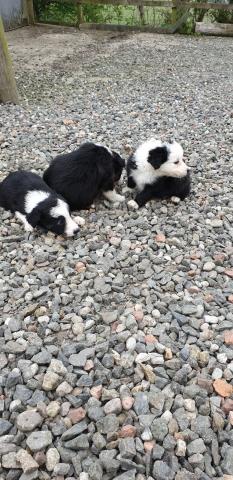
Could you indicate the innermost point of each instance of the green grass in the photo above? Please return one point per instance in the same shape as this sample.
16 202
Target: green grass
66 14
129 15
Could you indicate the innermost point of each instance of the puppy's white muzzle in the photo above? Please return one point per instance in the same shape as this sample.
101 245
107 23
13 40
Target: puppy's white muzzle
71 228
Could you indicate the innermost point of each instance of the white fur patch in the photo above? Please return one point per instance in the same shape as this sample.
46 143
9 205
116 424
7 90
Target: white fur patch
22 218
171 168
145 174
113 196
62 209
79 221
33 198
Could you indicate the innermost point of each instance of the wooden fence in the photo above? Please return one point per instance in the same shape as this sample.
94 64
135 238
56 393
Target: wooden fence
179 8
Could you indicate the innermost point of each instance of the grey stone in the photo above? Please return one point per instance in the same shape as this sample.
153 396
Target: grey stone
14 324
39 440
99 441
75 430
22 393
61 469
95 471
7 447
127 448
79 359
28 421
3 360
108 461
42 358
5 426
201 425
161 471
156 400
141 405
109 317
227 464
14 347
129 475
159 429
196 446
158 452
29 476
80 442
13 378
108 424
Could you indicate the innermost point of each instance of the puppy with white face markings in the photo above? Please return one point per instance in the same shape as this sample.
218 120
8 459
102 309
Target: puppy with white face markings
158 170
35 204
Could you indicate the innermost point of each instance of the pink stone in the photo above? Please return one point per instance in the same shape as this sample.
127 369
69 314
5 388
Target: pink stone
76 414
148 446
127 403
150 339
230 418
160 237
96 392
127 431
138 315
89 365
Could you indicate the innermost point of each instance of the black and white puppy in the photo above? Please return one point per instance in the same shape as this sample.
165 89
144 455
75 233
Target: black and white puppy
80 176
27 196
158 170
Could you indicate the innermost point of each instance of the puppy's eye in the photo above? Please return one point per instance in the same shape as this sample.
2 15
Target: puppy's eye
176 163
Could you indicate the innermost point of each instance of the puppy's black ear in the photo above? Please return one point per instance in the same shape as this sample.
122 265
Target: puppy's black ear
118 159
34 217
158 156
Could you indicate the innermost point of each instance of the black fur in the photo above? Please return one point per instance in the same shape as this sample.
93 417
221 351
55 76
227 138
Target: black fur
13 191
131 165
158 156
80 176
164 188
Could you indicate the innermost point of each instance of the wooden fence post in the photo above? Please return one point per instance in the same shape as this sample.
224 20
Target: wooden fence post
79 9
29 9
8 89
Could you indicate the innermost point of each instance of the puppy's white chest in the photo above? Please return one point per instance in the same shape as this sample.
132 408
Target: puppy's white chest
144 175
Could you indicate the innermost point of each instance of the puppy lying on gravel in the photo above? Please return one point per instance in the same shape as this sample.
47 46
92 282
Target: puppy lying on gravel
82 175
157 170
27 196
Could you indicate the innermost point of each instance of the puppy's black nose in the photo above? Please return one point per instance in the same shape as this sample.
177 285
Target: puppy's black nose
76 230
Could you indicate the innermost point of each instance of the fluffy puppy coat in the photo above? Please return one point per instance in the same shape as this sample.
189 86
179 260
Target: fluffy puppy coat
157 170
27 196
80 176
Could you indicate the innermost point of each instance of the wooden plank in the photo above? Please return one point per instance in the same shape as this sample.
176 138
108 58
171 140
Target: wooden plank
204 6
155 3
225 29
29 10
8 89
124 28
147 3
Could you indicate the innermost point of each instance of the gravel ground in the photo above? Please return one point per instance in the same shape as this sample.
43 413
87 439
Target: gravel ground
116 357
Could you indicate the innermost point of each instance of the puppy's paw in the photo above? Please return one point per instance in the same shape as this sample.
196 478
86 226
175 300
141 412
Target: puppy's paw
175 200
119 198
79 220
132 205
28 228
